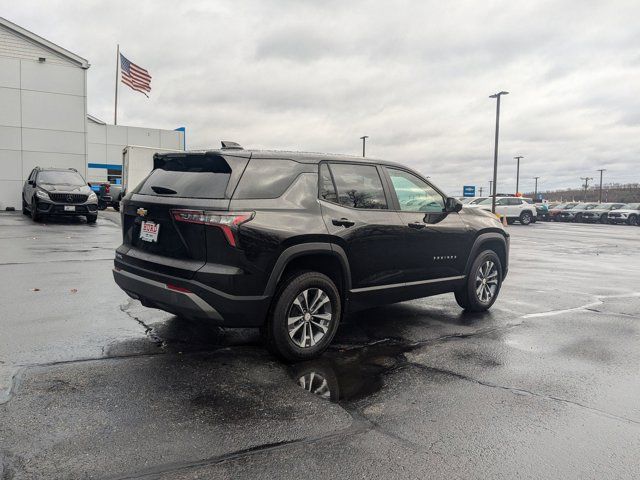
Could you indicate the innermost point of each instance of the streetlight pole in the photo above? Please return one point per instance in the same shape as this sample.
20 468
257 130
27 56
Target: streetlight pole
535 195
364 139
490 187
586 185
495 150
600 194
518 172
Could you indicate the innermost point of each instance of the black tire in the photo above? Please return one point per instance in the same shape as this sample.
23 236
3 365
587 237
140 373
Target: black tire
25 207
34 211
276 331
525 218
116 206
633 220
604 218
510 221
577 218
92 218
102 205
467 295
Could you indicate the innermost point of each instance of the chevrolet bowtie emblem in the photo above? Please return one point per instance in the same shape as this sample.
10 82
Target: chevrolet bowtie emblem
141 212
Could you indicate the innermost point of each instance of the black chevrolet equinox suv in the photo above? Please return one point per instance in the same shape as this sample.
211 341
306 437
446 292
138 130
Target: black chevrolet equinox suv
289 242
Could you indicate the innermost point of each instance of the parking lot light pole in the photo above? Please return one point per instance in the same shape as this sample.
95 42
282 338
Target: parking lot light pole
600 194
518 172
490 183
495 149
364 140
535 195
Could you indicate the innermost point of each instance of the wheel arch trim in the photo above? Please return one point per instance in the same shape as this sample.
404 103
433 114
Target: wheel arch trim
481 240
308 249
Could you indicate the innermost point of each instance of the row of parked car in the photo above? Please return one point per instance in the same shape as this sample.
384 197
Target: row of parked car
623 213
526 211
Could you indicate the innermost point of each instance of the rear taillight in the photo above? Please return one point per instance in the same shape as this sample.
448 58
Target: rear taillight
228 222
107 188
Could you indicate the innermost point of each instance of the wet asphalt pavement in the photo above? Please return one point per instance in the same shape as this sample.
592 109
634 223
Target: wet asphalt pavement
545 385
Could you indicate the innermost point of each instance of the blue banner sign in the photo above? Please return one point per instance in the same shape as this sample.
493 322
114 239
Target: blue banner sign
469 191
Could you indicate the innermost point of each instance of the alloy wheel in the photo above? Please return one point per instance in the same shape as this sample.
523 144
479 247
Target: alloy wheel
309 317
486 281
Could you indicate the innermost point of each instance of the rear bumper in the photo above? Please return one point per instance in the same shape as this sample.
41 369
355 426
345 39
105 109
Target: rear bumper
190 299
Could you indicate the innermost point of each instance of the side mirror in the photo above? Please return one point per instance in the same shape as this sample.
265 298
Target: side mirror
31 182
452 205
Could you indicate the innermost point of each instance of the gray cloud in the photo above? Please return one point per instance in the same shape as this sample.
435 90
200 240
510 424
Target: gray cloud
413 75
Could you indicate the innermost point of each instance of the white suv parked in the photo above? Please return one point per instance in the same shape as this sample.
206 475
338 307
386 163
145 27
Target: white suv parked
514 208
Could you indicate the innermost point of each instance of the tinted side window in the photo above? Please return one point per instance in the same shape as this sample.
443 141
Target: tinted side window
502 201
415 195
359 186
266 178
327 189
514 201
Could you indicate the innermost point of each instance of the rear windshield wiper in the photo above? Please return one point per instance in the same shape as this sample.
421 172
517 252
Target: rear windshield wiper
163 190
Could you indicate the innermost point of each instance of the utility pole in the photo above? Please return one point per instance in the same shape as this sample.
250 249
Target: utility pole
490 187
480 192
364 139
495 149
518 173
600 194
535 195
586 185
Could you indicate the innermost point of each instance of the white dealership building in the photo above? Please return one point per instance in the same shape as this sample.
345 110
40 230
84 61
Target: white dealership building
44 120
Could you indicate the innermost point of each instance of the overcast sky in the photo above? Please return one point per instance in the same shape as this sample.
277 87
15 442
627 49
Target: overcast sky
413 75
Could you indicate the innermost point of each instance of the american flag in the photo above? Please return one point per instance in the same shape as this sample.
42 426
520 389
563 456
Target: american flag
136 77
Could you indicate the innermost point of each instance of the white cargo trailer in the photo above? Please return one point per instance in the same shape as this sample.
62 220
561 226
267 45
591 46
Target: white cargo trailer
137 163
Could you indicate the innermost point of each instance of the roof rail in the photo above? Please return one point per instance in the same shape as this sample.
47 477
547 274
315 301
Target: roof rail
231 145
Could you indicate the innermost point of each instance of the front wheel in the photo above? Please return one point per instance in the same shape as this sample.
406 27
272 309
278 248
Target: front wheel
482 285
34 211
304 317
25 208
604 218
633 220
92 218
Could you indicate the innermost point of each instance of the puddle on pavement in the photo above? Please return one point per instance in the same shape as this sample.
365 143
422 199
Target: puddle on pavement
352 374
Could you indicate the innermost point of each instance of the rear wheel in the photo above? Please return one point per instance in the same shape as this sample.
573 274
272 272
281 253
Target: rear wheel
304 317
483 283
604 218
116 206
525 218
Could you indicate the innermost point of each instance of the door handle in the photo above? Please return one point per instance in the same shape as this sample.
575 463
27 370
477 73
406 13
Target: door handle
342 222
417 225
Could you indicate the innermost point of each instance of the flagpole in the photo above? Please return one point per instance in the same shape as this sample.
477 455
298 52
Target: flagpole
115 110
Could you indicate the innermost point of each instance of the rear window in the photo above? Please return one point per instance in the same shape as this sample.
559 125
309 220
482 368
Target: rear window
268 178
197 176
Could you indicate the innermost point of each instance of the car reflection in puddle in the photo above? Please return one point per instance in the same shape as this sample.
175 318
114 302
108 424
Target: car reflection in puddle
349 375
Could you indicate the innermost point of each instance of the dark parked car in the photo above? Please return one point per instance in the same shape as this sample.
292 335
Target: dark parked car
554 212
58 191
289 242
575 213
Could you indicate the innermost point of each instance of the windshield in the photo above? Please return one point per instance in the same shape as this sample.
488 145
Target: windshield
486 201
631 206
476 201
61 177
